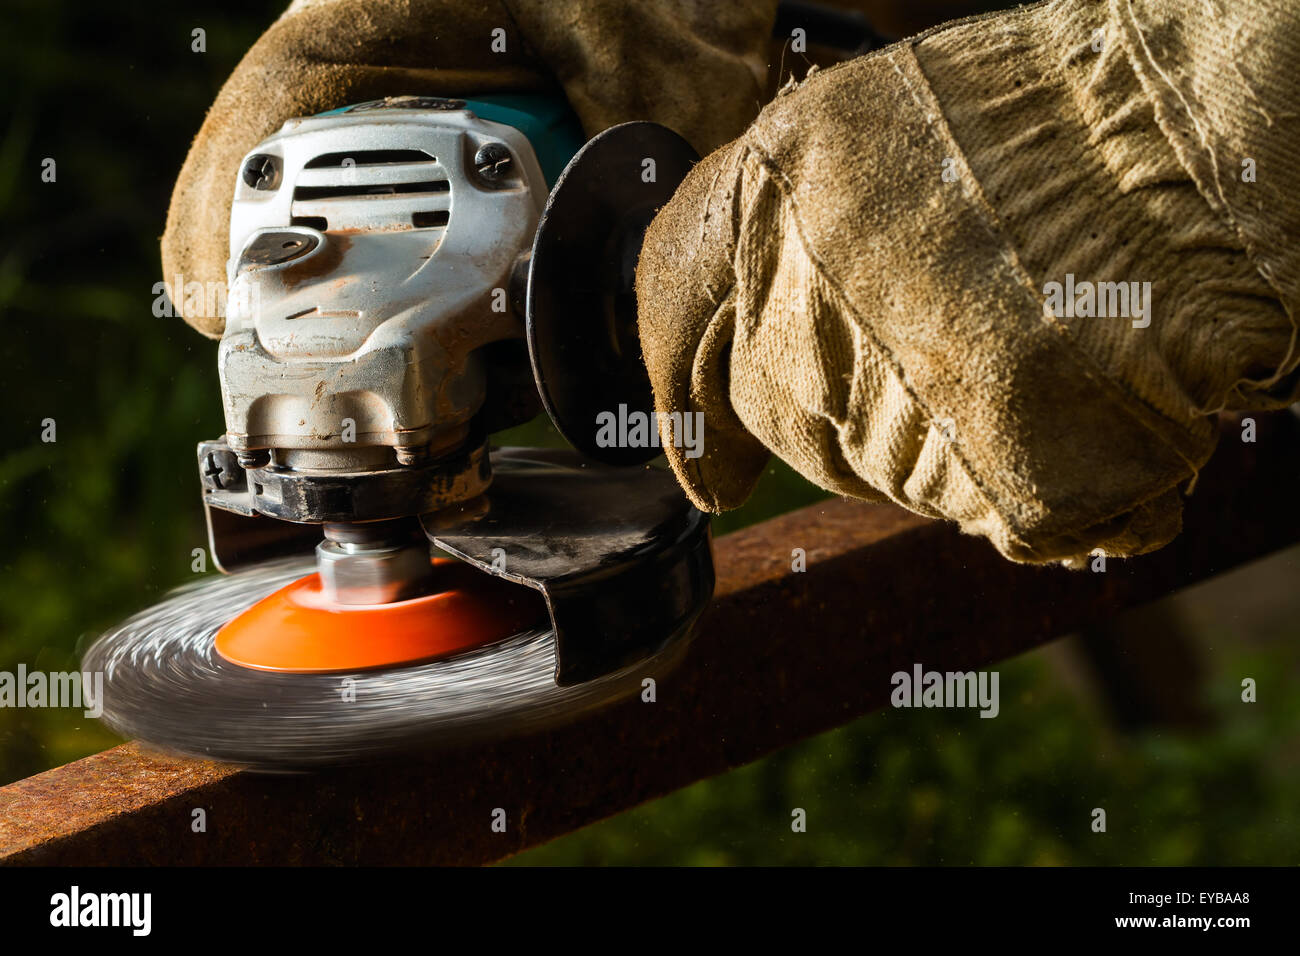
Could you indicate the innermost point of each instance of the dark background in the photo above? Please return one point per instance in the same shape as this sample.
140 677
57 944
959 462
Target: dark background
101 522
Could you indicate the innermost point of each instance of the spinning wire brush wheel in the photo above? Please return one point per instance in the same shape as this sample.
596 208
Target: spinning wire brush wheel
608 569
166 682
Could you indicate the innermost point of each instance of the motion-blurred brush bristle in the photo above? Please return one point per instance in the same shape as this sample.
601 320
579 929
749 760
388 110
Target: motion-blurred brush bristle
164 683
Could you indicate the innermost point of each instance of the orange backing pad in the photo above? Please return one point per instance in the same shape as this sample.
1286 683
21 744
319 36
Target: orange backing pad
297 629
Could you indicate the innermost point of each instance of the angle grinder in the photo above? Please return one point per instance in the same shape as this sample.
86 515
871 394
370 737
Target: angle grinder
407 277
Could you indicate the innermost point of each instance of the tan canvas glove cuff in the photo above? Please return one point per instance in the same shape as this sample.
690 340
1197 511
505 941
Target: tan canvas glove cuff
696 67
858 283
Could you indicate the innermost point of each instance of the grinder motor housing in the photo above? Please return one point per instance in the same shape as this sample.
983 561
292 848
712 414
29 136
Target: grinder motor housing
379 295
359 305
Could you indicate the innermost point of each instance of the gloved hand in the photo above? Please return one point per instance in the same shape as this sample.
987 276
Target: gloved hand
894 279
695 66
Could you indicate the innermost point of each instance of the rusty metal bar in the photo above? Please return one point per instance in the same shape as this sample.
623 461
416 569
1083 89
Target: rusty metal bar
779 656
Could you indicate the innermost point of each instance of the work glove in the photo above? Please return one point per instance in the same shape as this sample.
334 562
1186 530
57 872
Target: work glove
695 66
898 279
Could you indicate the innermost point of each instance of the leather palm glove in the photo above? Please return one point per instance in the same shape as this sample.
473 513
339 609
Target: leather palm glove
1003 273
692 65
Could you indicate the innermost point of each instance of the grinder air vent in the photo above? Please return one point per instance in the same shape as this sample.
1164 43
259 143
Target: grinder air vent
372 190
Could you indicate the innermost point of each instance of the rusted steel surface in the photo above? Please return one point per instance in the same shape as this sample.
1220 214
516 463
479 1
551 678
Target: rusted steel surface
779 656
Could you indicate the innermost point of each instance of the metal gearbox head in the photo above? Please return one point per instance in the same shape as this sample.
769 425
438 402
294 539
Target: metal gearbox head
372 255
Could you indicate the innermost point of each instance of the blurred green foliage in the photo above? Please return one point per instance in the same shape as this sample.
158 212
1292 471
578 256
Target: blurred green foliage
101 522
